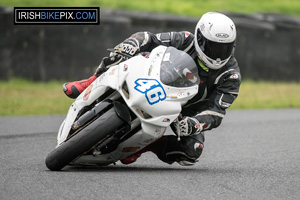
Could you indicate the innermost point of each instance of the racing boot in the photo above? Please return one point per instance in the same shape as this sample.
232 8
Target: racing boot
185 152
132 158
168 149
154 147
74 89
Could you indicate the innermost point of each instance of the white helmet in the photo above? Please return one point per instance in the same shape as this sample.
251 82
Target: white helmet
215 36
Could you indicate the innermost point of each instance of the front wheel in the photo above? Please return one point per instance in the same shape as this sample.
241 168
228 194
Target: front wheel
84 140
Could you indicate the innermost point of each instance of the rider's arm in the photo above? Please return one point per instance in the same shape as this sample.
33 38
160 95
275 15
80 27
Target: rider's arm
226 91
146 41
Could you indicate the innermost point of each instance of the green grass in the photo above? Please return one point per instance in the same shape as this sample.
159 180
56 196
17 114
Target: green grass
267 95
21 97
187 7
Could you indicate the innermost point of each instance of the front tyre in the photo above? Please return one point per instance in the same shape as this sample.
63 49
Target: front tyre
84 140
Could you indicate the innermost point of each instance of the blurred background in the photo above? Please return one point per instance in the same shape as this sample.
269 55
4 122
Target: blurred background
44 56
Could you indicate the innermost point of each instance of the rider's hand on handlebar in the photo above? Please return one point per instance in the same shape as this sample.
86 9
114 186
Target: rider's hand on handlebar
187 126
128 48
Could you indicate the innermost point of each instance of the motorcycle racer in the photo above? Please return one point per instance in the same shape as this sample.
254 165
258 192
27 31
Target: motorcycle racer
212 48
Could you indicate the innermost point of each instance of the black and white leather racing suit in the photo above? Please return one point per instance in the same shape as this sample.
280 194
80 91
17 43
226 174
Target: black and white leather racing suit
217 91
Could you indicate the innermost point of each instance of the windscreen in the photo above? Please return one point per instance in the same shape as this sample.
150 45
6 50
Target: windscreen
178 69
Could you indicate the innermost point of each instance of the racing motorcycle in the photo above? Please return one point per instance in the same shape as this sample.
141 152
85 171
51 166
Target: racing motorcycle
125 109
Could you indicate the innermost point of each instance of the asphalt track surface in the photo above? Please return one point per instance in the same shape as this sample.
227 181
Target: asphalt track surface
252 155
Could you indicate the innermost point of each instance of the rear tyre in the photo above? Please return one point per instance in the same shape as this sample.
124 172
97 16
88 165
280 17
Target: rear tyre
83 140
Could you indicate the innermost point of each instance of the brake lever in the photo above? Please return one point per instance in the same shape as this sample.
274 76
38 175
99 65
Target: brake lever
177 127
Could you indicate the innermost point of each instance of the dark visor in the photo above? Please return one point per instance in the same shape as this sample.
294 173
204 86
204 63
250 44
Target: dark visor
212 49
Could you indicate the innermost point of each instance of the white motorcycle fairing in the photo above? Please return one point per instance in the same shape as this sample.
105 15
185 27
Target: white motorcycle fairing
138 82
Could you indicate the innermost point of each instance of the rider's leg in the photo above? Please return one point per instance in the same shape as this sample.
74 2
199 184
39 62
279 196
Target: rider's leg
74 89
168 149
186 152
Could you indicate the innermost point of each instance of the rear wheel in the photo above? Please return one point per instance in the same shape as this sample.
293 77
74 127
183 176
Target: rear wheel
84 140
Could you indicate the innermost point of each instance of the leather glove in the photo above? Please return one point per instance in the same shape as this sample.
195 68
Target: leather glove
128 48
187 126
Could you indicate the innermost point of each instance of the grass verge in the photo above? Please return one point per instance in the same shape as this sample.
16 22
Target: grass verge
22 97
270 95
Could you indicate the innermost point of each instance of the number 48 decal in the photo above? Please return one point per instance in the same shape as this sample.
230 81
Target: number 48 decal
152 89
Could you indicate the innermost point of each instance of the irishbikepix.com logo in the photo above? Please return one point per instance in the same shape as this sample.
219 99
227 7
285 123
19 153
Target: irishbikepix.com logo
56 15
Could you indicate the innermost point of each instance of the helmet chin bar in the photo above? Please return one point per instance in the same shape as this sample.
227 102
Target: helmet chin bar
216 64
210 63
